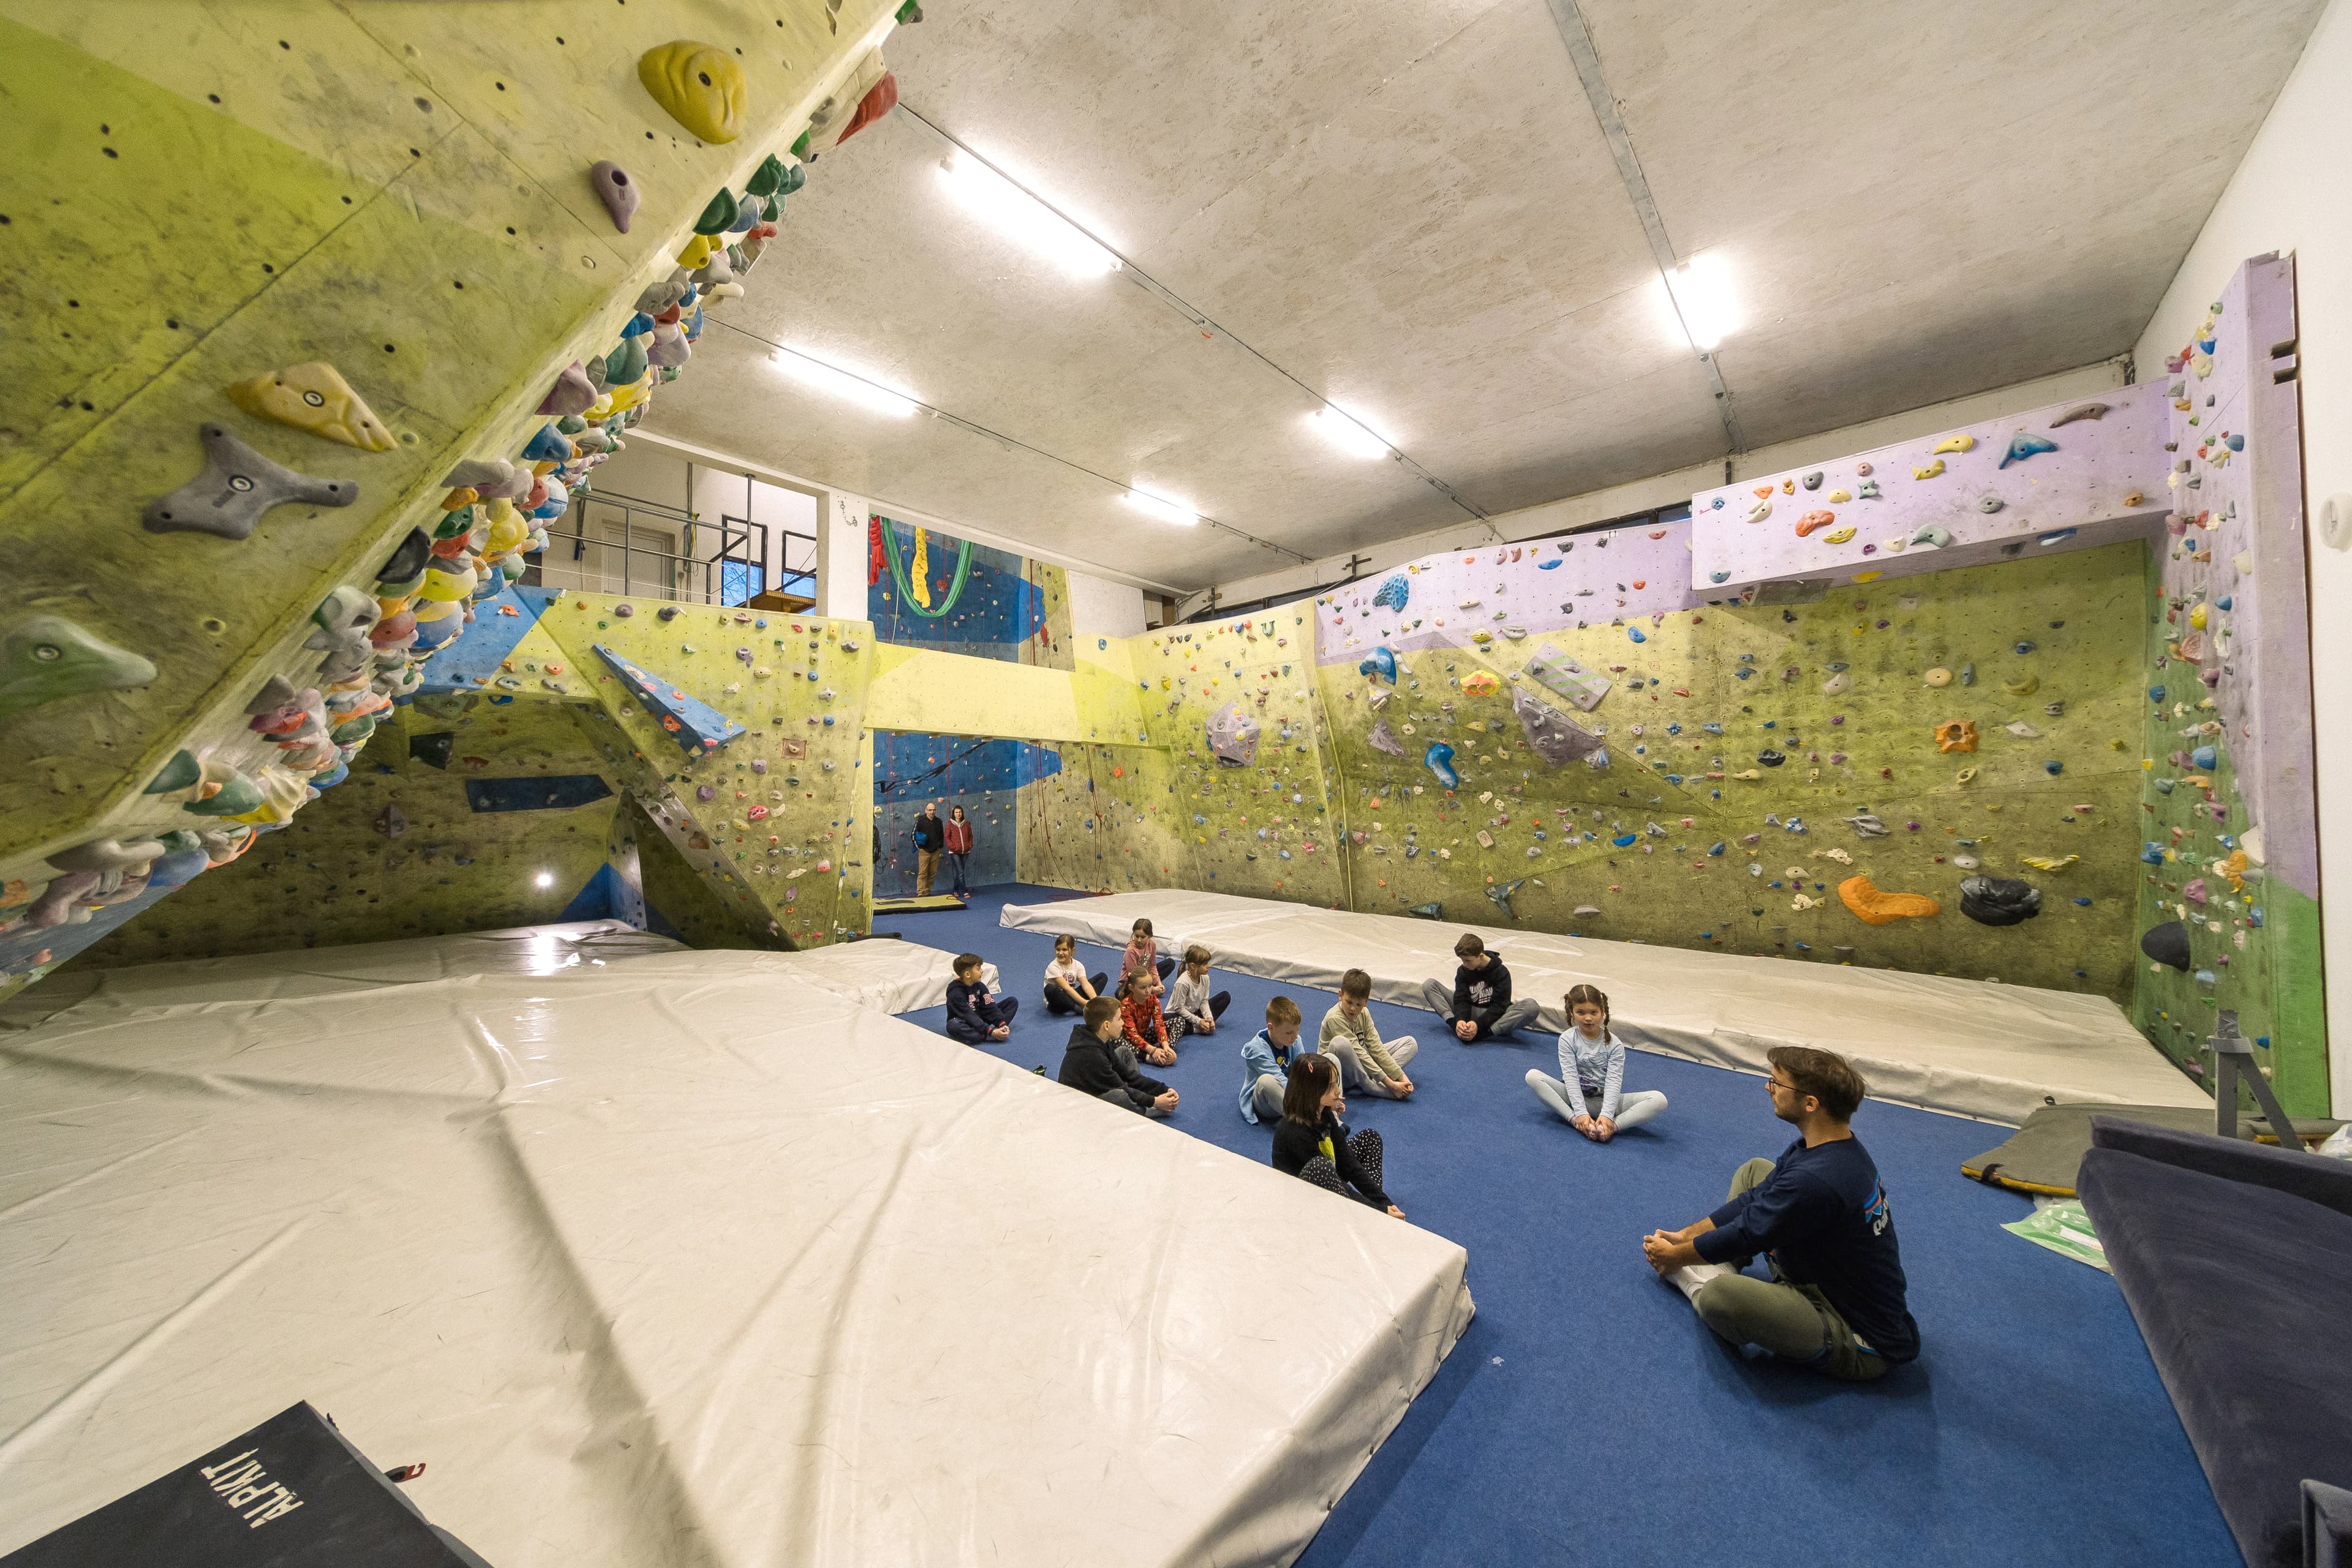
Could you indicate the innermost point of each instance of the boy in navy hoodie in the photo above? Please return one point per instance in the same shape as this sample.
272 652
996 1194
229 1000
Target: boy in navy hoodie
973 1017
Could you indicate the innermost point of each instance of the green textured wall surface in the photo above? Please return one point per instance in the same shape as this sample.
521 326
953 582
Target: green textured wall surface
334 875
215 194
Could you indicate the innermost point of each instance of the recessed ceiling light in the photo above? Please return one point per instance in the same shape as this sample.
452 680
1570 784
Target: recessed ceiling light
1165 511
841 383
545 879
1021 217
1346 433
1702 297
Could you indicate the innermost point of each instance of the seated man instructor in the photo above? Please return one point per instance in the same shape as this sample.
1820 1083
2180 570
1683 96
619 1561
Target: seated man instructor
1835 1301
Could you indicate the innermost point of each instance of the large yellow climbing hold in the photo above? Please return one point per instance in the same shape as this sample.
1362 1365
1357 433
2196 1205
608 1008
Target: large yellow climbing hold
697 252
699 85
1875 906
1838 536
2050 862
314 397
1956 444
1930 471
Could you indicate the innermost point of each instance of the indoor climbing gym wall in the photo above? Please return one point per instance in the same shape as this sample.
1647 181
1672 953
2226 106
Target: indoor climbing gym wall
409 274
925 589
1563 736
983 776
2227 902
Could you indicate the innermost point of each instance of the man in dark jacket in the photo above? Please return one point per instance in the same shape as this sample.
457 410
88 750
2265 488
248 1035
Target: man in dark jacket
930 838
1479 1005
1091 1065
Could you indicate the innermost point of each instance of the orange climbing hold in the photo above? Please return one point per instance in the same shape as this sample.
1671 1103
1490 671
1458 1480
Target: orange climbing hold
1814 522
1956 735
1873 907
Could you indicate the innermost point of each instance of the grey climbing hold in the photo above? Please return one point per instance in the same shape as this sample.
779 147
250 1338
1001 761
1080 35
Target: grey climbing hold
1866 825
238 485
107 855
1935 534
407 559
615 190
1998 901
659 297
2080 411
1988 502
1383 739
47 657
479 474
1812 481
573 392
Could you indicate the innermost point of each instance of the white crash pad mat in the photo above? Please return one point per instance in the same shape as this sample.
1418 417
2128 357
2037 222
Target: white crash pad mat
677 1257
1971 1046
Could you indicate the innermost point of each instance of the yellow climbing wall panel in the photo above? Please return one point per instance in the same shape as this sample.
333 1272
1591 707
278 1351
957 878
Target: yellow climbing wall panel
216 193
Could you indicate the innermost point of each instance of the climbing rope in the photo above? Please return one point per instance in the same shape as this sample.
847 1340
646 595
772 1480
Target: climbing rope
905 588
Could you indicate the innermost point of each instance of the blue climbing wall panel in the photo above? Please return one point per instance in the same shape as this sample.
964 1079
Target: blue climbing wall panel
953 770
996 613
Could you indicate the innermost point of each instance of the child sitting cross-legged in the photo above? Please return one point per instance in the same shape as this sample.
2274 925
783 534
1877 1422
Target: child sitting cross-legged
1367 1063
1095 1062
1068 987
1139 1016
1312 1143
973 1017
1267 1059
1189 1008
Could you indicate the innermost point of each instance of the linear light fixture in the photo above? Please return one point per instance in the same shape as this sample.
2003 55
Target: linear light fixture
1701 288
841 383
1024 219
1347 433
1165 511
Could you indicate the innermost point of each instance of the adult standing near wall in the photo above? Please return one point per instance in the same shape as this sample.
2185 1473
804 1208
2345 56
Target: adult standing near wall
959 840
930 838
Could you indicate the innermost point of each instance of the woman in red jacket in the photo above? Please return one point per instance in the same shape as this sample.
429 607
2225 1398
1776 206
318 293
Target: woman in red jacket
959 846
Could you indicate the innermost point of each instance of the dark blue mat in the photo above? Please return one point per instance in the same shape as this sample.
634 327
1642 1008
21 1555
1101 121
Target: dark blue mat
1587 1417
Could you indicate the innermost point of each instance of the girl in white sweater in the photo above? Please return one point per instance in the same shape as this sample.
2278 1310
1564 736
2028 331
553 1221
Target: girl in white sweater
1590 1094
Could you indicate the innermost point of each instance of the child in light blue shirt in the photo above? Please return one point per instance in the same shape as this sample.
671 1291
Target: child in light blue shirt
1590 1094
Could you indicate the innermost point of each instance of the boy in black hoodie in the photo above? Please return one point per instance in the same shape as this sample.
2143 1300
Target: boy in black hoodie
1092 1065
1479 1005
973 1017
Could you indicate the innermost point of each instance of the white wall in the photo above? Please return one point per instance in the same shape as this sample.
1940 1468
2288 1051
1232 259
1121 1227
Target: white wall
1100 608
1674 488
2289 195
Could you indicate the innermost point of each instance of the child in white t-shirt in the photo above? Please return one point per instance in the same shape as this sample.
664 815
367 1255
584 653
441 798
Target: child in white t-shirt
1191 1009
1069 987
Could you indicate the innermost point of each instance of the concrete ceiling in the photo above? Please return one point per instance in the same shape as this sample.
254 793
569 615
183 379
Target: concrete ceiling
1411 209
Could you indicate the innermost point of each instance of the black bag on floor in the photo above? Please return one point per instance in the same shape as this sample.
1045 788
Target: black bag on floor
290 1493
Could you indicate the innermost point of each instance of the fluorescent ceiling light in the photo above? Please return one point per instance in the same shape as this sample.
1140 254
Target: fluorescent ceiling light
1347 434
1024 219
1701 288
841 383
1165 511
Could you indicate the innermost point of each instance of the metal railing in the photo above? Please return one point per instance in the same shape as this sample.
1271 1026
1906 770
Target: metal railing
798 580
680 574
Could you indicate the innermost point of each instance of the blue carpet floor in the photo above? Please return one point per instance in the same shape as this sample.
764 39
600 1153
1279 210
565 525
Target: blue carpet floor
1587 1417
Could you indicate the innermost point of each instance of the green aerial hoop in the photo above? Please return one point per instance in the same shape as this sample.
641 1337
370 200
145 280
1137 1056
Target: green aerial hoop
906 589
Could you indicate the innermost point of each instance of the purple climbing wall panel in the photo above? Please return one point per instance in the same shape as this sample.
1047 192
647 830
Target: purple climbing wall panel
2069 475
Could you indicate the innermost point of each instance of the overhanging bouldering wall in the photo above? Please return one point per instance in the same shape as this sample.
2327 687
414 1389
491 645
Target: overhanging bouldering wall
1564 736
474 821
348 300
2229 892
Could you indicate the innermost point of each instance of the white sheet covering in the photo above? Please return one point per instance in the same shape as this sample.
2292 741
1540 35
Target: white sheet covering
1972 1046
677 1258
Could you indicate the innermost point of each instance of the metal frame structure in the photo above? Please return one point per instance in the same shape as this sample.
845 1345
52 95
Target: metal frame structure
672 574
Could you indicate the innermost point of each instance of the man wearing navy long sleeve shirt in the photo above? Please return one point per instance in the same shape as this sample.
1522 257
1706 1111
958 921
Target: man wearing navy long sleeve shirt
1836 1299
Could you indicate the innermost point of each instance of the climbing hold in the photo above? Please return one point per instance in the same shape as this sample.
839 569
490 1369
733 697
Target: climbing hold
1396 591
1938 677
1866 825
1483 683
181 772
1961 443
1998 901
1380 664
1963 775
2080 411
2053 767
2167 944
2022 445
1439 760
1712 576
1636 634
2025 687
1812 481
2057 536
571 393
1759 511
2023 731
1813 523
718 215
1867 490
1837 498
1988 502
1930 471
47 658
1772 759
1836 683
699 85
1956 735
391 823
238 485
314 397
1935 534
615 190
1875 906
1840 536
2050 862
105 855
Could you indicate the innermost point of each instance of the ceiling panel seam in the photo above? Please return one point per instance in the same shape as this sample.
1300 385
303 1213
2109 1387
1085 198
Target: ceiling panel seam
1569 20
1001 439
1199 319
